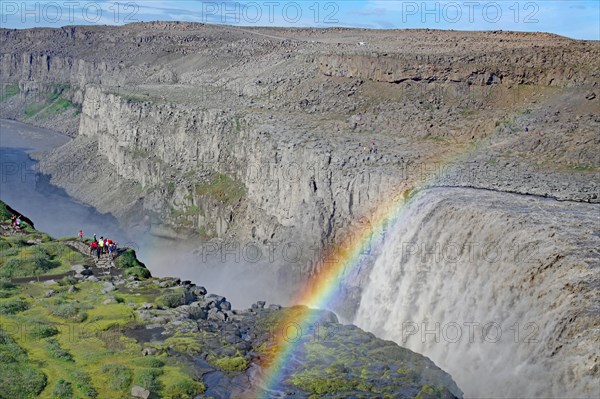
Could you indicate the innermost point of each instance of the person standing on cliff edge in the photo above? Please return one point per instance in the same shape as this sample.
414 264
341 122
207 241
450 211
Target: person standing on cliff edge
81 235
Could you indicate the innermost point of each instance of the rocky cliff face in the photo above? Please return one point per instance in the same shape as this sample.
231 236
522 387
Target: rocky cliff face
264 136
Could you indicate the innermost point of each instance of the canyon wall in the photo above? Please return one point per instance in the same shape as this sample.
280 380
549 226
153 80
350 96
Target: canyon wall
245 135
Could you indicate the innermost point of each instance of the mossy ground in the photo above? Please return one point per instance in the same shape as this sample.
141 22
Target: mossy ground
78 342
72 344
90 354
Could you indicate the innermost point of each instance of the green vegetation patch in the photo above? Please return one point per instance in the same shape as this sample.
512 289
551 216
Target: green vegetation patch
184 389
119 377
231 364
70 310
62 390
33 109
132 266
223 188
148 378
174 298
9 91
57 352
18 377
12 306
20 259
58 106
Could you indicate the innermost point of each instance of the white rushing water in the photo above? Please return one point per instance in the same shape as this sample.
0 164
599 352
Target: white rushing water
478 282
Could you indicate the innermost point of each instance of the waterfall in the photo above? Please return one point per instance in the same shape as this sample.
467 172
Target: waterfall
499 290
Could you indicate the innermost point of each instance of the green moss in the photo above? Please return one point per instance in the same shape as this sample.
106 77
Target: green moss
132 266
184 344
18 377
231 364
148 378
12 306
584 168
20 259
221 187
5 214
171 188
430 392
32 109
119 377
70 310
184 389
317 383
9 91
58 106
139 272
62 390
173 298
57 352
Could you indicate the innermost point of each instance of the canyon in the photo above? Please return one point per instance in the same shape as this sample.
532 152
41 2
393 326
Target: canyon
262 138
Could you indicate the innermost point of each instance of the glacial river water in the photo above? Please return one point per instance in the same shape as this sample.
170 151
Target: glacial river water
30 192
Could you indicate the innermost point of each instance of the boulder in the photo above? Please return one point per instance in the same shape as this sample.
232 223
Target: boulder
149 351
78 269
109 300
49 293
225 305
216 315
139 392
108 287
198 291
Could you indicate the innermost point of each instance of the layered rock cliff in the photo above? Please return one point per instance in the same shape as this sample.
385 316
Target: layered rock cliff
279 137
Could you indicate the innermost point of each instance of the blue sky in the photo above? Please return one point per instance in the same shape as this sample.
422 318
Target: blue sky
578 19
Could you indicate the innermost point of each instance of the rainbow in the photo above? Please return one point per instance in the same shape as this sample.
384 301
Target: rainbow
320 291
337 262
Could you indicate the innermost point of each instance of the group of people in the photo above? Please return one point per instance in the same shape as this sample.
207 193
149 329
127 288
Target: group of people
102 246
15 221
